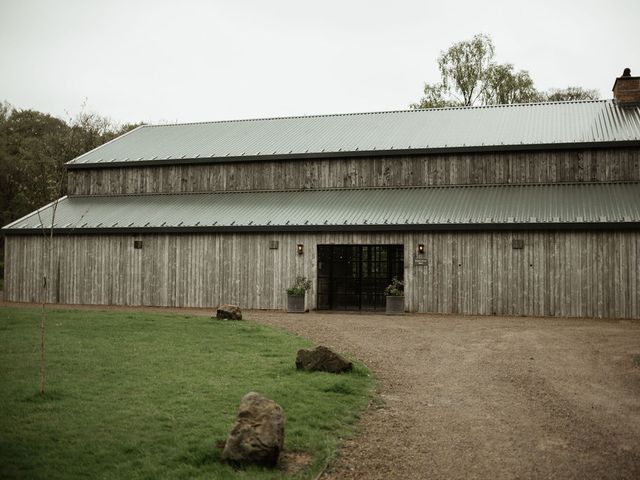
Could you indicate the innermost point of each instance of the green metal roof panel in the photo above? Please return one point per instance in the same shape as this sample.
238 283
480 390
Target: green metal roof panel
507 205
481 128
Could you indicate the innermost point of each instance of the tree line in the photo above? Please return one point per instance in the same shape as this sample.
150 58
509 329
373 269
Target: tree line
34 146
469 75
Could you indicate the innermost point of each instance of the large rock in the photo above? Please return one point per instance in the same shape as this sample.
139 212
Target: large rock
258 434
322 359
229 312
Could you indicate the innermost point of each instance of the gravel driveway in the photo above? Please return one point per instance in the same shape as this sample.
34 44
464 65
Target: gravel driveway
488 397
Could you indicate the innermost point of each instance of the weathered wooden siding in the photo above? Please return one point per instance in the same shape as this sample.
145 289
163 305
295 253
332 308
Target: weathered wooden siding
446 169
592 274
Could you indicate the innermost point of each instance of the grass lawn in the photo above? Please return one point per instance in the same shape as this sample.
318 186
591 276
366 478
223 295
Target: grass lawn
146 395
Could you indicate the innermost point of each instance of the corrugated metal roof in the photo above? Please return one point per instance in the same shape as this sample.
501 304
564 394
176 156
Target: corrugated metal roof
469 128
424 207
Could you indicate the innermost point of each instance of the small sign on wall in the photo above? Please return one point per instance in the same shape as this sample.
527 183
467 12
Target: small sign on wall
420 261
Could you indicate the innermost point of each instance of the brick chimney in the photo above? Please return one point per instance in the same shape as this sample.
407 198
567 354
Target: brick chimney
626 89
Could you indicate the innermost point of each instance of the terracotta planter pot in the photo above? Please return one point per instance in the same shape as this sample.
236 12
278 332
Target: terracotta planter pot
395 305
295 303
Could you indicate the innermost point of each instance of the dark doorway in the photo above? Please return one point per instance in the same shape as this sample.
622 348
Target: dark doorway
353 277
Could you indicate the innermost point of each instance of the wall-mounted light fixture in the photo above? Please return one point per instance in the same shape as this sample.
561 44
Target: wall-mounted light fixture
421 248
300 249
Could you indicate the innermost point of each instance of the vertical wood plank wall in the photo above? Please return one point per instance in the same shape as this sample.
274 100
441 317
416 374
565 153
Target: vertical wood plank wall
592 274
620 164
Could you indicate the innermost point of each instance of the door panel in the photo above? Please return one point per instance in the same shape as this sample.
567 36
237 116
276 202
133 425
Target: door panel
353 277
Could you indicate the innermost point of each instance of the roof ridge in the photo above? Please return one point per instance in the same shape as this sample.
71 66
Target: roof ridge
380 112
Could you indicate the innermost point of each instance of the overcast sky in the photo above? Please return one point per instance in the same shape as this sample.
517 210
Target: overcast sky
187 60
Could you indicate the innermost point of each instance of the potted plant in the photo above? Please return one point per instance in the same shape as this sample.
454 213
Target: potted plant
296 294
394 294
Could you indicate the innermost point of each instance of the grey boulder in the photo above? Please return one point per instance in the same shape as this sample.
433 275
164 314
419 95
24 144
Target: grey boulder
257 437
229 312
322 359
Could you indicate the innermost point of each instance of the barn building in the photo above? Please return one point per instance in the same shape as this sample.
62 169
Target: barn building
529 209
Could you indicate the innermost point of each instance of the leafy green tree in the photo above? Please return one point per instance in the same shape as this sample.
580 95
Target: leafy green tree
30 144
34 147
470 76
503 85
464 66
436 96
570 94
462 71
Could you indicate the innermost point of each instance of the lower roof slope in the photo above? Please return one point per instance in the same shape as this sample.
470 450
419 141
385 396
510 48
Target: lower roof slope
556 206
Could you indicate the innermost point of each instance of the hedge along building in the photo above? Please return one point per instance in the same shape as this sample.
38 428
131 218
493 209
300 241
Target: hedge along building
529 209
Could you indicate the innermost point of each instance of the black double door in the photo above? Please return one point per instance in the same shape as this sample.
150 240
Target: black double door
353 277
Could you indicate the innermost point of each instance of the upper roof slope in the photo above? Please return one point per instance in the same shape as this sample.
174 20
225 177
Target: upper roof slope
499 127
